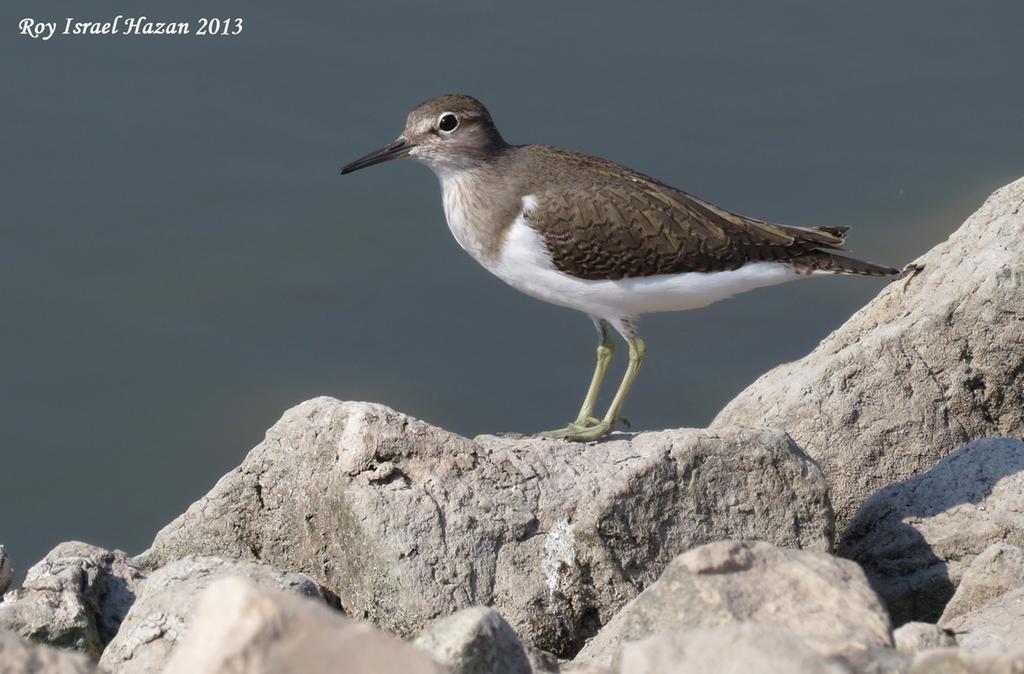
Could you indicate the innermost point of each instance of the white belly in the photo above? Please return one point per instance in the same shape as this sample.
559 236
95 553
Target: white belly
526 265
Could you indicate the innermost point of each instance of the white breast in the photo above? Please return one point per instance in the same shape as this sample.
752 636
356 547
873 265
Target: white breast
455 197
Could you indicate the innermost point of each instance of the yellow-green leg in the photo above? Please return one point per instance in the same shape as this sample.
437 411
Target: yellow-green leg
637 354
605 351
586 418
589 430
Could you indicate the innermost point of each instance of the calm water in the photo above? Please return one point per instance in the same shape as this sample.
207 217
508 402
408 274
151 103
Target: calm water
179 261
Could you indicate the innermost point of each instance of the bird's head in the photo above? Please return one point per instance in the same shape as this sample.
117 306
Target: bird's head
447 133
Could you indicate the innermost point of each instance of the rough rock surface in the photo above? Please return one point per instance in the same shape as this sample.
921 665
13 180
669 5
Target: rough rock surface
18 656
75 598
997 625
935 361
478 640
915 637
406 522
6 570
915 539
583 668
162 613
987 611
821 599
955 661
240 628
878 661
997 570
726 649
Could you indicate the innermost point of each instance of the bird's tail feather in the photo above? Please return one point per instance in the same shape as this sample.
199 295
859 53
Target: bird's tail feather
823 261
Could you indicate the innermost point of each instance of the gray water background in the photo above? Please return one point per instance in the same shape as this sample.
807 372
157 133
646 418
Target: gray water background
180 262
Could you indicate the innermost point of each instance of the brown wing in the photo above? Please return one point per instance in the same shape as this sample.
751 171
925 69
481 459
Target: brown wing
635 227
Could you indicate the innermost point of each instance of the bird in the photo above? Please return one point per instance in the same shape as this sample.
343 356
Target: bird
588 234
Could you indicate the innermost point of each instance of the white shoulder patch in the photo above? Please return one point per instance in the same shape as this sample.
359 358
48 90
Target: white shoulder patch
529 204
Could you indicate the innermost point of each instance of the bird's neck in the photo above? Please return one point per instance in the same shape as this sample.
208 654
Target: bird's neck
479 208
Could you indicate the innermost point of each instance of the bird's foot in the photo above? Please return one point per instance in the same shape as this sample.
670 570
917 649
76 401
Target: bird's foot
587 430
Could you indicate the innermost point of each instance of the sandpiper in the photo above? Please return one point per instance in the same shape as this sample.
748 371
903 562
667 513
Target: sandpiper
588 234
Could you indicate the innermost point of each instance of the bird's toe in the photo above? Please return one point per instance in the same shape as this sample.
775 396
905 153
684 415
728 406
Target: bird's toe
593 430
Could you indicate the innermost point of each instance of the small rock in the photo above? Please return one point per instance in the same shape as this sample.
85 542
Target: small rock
162 614
930 364
998 569
21 657
987 611
239 628
915 637
75 598
996 625
407 523
477 640
823 600
915 539
6 571
726 650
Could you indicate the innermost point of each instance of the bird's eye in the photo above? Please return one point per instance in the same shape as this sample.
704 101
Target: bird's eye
448 122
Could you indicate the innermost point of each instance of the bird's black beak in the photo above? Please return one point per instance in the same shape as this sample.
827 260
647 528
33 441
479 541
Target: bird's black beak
399 148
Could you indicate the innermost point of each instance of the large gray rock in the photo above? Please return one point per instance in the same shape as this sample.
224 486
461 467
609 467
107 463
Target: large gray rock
823 600
18 656
6 570
477 640
935 361
727 649
75 598
406 522
915 539
162 612
240 628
